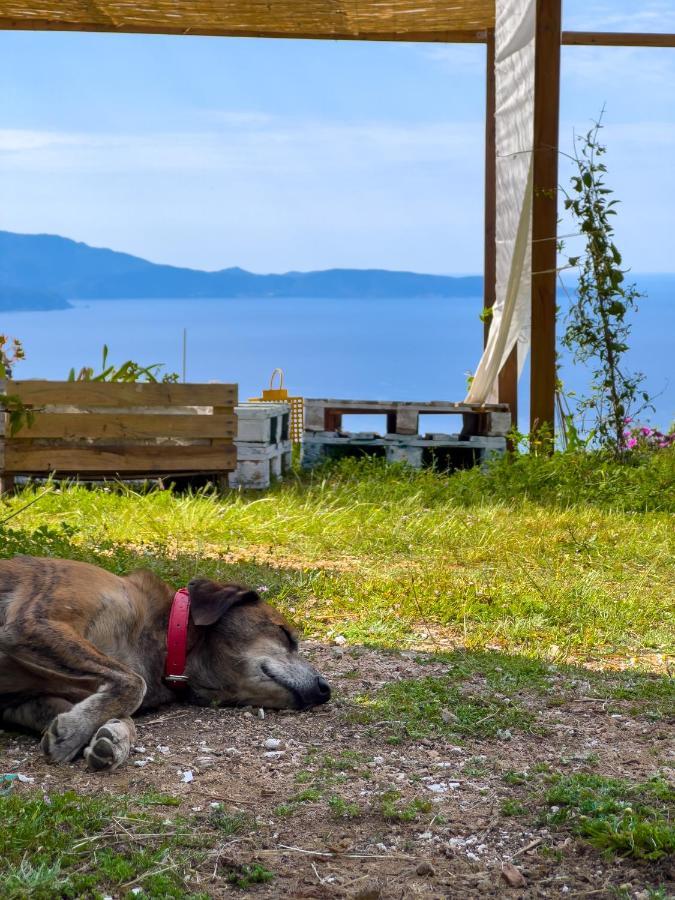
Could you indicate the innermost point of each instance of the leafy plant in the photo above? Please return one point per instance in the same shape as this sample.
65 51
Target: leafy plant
244 876
597 326
11 352
128 372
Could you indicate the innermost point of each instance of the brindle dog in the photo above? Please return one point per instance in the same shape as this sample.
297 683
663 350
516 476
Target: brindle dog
82 649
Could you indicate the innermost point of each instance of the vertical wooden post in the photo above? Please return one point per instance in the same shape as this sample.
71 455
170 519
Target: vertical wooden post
507 387
545 212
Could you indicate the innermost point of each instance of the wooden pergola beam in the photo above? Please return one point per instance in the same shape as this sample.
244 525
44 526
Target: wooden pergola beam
467 36
545 214
616 39
421 37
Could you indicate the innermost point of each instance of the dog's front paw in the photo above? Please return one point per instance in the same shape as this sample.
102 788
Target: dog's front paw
63 738
111 745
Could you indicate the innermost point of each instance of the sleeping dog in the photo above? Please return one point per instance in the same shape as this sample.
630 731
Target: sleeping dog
81 650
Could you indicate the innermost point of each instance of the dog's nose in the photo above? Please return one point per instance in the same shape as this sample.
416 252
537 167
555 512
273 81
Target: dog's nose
322 690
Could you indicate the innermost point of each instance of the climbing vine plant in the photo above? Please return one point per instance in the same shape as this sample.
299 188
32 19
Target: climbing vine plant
597 327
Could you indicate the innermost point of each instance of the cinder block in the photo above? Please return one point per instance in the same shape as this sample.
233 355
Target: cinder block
498 423
397 453
262 423
251 473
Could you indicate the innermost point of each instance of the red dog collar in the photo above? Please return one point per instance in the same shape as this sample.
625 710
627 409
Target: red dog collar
176 639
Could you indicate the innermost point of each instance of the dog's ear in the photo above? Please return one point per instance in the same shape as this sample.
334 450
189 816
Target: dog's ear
210 601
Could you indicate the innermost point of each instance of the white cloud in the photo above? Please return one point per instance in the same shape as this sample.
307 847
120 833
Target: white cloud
283 148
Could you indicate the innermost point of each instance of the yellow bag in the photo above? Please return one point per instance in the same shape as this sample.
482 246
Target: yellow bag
280 395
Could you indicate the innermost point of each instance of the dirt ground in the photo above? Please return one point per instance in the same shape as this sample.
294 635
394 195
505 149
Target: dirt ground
318 848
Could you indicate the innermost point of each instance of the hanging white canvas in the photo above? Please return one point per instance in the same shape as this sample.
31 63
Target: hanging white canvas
514 135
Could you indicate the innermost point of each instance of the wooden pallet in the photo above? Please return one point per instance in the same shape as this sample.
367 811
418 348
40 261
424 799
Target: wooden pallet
102 429
325 415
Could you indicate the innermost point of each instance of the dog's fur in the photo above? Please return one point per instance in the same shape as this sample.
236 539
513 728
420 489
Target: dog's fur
81 650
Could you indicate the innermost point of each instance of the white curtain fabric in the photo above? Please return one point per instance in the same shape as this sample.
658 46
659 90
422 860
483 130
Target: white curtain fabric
514 87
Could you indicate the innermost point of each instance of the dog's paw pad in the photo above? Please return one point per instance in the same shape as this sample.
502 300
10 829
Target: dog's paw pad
109 747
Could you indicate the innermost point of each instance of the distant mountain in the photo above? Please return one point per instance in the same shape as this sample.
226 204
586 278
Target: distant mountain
42 265
29 299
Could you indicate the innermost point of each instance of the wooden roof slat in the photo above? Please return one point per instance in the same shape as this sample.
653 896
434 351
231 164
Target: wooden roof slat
367 19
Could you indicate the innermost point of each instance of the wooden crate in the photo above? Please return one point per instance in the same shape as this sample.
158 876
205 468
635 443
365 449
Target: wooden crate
99 429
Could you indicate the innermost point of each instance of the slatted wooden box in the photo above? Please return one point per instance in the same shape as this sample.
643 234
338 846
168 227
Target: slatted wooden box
103 429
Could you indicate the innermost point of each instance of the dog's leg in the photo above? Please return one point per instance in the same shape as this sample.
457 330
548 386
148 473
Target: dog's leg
111 745
72 667
35 714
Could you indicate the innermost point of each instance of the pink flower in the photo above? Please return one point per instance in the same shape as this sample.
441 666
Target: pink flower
646 431
632 443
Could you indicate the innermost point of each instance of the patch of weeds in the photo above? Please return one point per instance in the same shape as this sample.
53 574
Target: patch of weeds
346 761
475 767
515 777
230 822
303 777
421 707
285 810
28 880
615 815
342 808
156 798
512 808
244 876
311 795
394 810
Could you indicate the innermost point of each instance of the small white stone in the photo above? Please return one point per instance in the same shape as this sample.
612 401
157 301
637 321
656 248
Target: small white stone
187 776
273 744
261 713
340 640
439 788
232 751
163 749
274 754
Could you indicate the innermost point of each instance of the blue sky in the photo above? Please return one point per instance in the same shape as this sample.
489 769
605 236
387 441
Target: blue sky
277 155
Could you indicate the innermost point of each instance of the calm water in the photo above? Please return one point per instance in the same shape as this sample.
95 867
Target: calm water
379 349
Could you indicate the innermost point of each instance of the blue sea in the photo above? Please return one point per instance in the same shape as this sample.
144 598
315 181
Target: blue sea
405 349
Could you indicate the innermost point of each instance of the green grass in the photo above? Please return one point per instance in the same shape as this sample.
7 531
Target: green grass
66 846
615 815
419 707
529 561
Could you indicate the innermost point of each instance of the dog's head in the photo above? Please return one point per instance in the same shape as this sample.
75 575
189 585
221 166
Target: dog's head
246 653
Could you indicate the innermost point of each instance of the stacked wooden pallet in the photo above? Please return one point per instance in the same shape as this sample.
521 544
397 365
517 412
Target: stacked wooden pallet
264 448
482 434
103 429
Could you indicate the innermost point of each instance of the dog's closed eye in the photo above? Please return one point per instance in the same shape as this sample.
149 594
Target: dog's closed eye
292 640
